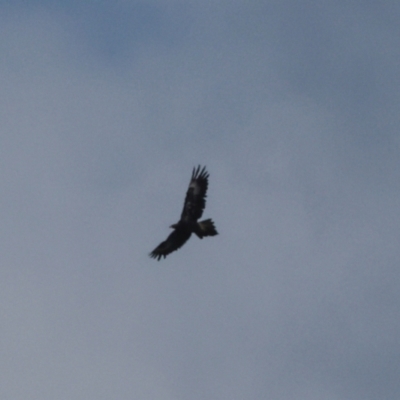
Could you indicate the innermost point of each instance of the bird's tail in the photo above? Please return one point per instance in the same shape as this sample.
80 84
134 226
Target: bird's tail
207 228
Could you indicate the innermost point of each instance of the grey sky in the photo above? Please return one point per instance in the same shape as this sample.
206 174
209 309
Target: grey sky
294 108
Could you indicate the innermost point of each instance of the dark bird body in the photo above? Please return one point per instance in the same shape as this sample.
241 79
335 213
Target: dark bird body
193 208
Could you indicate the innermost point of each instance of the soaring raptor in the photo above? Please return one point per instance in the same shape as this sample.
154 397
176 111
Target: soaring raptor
193 208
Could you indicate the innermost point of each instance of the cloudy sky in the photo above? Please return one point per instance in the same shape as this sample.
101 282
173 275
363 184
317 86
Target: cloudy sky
293 107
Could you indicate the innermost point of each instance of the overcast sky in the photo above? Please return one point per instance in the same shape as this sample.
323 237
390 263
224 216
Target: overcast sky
293 107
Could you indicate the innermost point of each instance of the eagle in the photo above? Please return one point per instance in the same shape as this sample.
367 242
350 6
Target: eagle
195 202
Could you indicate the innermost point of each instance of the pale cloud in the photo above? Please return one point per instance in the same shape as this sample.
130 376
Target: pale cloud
296 298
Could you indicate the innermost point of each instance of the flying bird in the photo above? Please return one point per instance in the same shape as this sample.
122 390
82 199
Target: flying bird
193 208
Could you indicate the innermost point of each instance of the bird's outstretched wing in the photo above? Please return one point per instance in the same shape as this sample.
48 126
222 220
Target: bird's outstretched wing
173 242
195 200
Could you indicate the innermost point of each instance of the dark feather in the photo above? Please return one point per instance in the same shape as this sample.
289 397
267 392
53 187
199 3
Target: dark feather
195 202
173 242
